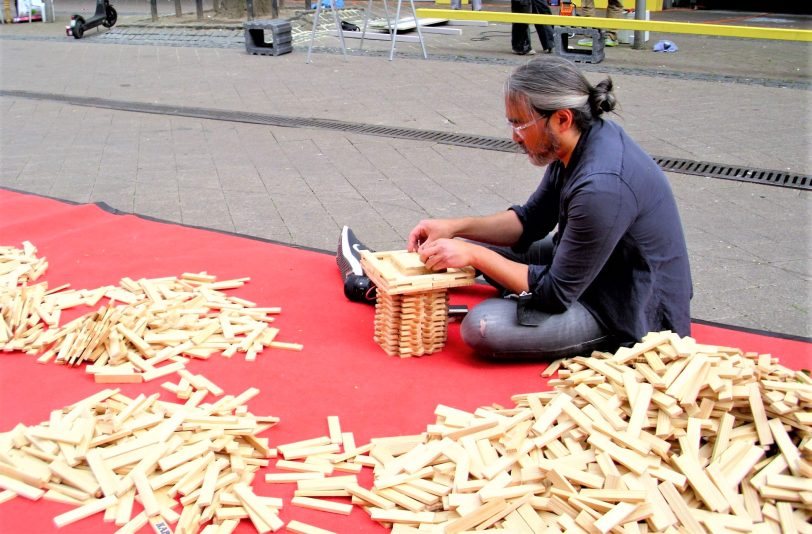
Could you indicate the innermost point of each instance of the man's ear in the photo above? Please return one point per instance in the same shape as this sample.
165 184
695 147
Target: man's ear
563 119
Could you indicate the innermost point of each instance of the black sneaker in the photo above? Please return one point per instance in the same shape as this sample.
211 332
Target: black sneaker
357 286
348 256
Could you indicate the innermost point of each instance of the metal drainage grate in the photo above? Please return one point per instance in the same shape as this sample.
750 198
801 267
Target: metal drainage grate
683 166
730 172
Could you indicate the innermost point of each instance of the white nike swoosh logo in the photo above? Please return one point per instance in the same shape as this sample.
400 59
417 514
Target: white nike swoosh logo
357 248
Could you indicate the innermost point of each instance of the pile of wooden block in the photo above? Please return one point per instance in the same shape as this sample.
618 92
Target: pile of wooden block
107 451
20 266
147 330
411 312
668 436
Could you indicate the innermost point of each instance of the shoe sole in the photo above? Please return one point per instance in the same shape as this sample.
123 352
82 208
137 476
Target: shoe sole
349 254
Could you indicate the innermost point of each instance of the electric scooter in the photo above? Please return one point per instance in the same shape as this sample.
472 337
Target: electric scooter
105 15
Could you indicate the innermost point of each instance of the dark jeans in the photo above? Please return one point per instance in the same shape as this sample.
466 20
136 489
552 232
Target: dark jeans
492 329
520 35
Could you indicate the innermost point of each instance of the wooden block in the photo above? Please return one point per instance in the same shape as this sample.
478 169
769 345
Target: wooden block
679 507
185 454
785 445
7 495
759 416
107 479
304 528
210 478
134 525
326 483
662 517
476 517
285 345
20 488
255 506
322 505
295 454
286 478
400 516
306 467
614 517
796 483
105 376
231 512
165 370
124 508
703 486
147 497
334 426
82 480
370 497
86 510
159 525
321 493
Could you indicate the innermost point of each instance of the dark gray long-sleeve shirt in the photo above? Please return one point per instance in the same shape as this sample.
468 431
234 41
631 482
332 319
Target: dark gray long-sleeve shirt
619 247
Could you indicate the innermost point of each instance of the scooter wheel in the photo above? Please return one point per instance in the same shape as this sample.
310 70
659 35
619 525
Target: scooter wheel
112 17
78 27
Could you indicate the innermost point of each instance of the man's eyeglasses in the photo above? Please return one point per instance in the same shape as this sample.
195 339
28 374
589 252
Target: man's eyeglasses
519 128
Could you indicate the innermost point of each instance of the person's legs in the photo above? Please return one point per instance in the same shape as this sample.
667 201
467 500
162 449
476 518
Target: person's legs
456 4
492 330
545 32
587 8
519 38
476 5
614 10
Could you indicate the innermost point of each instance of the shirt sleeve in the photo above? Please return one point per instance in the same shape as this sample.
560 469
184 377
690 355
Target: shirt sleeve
598 214
539 214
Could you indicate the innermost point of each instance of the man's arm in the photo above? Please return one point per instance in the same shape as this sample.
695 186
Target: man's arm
454 253
503 228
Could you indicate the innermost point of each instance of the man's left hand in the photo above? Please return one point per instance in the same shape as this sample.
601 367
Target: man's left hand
447 254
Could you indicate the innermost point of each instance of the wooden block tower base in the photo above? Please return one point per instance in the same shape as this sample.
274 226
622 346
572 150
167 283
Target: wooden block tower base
411 313
413 324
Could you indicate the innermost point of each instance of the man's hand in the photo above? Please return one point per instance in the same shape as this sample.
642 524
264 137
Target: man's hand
445 253
429 230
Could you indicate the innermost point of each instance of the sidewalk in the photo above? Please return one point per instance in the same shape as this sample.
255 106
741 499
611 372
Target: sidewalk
733 101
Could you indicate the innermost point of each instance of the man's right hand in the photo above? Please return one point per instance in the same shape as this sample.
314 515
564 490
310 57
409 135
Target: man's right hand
429 230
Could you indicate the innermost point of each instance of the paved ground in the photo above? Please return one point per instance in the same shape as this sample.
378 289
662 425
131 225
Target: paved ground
733 101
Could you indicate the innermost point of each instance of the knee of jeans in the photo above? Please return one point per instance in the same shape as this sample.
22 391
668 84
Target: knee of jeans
474 332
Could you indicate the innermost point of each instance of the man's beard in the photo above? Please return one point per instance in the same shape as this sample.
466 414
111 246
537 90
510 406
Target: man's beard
549 152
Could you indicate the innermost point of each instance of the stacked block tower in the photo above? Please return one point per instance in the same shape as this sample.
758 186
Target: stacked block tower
411 312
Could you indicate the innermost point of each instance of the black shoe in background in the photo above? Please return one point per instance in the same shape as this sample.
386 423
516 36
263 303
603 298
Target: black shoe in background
357 286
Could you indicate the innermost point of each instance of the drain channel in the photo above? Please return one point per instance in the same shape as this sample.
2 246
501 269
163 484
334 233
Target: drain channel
730 172
683 166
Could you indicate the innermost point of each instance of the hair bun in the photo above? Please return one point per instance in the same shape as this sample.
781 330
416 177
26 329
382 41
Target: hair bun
602 98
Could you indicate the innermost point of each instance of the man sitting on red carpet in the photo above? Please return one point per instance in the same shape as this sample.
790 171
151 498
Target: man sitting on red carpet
596 257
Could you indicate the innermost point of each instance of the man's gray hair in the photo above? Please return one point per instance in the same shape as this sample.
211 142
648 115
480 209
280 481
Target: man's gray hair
550 83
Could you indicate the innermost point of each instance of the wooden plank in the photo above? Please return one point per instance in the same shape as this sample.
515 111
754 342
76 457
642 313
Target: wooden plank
86 510
20 488
322 505
614 517
304 528
679 507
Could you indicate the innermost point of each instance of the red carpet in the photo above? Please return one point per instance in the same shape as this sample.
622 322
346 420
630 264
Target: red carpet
341 371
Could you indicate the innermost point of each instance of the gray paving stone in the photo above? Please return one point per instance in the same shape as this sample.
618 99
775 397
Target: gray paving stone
240 179
118 200
74 191
166 210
